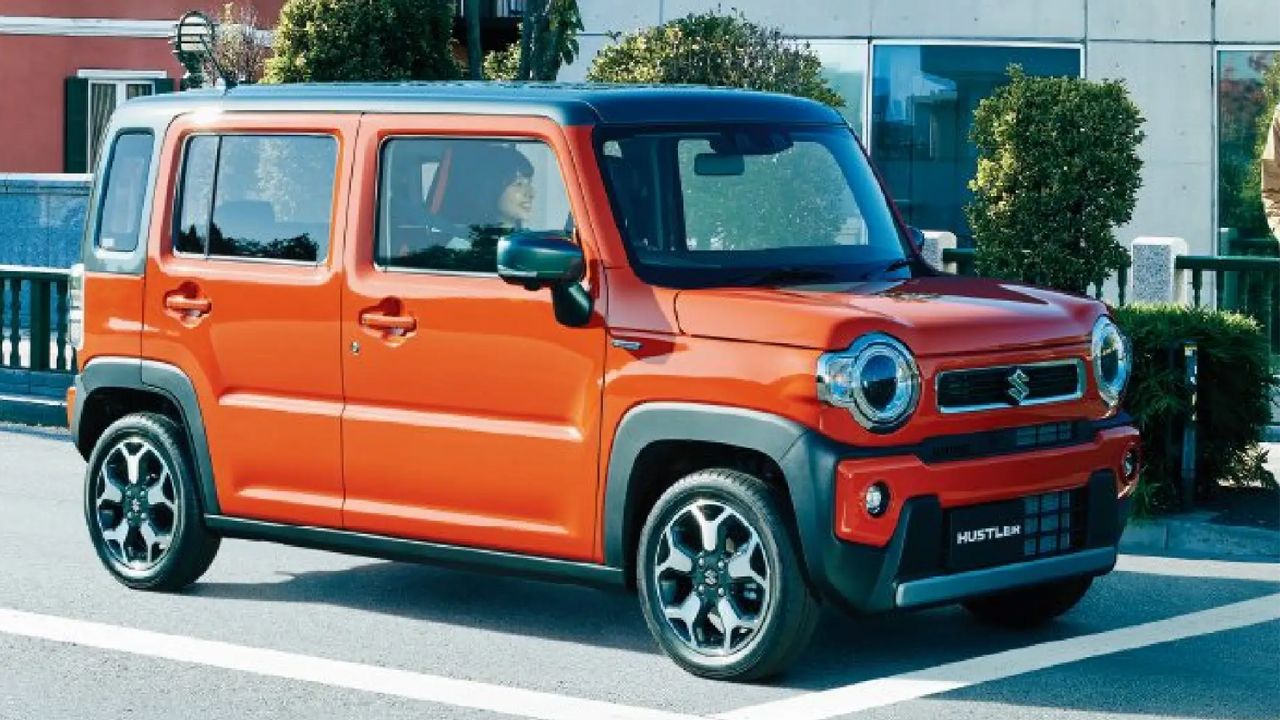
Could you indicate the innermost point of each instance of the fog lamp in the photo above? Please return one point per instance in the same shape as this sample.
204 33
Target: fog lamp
877 499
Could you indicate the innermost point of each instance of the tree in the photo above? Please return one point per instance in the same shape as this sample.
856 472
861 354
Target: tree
1058 170
240 45
714 49
550 43
363 40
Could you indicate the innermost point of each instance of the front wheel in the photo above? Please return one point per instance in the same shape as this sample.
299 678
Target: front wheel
719 578
1030 606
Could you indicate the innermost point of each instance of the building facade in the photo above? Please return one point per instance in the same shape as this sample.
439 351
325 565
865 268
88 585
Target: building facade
66 64
912 71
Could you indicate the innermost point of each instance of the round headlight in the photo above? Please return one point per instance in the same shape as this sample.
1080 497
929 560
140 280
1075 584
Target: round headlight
1112 361
876 379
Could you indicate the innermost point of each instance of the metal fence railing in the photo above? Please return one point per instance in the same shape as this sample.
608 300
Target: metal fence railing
1247 285
33 320
964 261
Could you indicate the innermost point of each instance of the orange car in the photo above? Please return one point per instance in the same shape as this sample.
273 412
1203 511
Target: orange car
674 339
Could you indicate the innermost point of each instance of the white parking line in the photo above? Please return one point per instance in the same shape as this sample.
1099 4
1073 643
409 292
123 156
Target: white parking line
335 673
1183 567
953 676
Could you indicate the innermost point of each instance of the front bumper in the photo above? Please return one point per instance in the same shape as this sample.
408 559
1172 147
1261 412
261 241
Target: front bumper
899 560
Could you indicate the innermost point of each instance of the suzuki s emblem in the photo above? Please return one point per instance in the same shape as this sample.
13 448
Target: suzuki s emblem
1018 388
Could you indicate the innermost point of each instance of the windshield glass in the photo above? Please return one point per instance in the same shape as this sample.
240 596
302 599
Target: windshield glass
750 205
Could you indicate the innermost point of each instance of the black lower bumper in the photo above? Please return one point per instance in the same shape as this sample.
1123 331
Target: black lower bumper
911 570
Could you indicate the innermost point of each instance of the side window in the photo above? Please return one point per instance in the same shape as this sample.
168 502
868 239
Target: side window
257 196
444 204
126 187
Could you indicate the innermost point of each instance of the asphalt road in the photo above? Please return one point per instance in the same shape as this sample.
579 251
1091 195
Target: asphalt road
303 634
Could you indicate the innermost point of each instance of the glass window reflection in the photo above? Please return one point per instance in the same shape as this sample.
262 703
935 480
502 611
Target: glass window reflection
922 102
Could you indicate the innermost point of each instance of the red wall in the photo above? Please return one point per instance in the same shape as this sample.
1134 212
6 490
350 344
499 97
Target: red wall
32 72
268 10
33 68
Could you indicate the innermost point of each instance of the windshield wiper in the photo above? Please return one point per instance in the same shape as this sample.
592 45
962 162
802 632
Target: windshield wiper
895 265
780 276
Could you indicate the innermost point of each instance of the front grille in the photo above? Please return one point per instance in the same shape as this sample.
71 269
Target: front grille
1010 386
950 448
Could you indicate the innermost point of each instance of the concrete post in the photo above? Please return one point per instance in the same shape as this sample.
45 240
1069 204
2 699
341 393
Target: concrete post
935 242
1154 278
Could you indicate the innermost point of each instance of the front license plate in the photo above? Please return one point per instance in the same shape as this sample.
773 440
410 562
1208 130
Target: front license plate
985 535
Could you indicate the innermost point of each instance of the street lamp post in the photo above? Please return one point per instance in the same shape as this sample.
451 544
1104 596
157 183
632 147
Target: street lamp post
191 43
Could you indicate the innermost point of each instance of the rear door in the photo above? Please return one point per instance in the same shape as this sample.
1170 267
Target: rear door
472 415
243 294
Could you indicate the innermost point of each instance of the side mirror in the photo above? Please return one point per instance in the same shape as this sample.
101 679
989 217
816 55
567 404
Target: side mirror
540 259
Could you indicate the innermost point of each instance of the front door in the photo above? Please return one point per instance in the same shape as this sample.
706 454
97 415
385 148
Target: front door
472 416
243 293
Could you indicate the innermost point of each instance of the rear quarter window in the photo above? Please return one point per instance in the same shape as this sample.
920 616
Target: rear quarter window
128 169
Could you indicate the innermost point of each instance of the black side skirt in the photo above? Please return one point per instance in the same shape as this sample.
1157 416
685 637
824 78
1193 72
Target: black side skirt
417 551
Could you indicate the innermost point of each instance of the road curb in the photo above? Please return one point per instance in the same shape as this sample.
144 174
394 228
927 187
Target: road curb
1193 533
32 410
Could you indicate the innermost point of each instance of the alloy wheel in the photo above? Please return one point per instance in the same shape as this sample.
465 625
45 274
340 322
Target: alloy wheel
711 575
135 504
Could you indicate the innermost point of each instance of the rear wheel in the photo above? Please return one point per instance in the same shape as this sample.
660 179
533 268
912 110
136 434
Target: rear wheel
1031 606
719 578
141 505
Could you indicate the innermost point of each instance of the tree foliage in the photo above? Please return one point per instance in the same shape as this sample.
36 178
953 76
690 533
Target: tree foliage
715 49
539 55
1058 170
364 40
241 45
1234 376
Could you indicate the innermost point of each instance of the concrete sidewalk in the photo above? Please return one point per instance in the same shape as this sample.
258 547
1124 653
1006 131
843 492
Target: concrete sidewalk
1197 533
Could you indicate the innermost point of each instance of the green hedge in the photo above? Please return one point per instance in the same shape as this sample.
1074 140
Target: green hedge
1234 385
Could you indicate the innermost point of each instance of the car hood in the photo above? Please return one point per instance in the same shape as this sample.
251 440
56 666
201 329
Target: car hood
933 315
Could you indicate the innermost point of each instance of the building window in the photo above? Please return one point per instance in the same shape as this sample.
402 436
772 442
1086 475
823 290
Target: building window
844 65
1242 111
91 97
923 97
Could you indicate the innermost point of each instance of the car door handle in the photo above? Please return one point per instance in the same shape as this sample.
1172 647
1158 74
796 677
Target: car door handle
382 321
181 303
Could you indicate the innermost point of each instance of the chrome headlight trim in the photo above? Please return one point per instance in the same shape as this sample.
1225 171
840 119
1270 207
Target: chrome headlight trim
1107 339
840 375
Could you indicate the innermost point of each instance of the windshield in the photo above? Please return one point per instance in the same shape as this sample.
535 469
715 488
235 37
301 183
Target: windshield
750 205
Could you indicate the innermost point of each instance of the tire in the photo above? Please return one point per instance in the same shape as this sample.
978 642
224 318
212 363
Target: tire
770 623
1029 607
147 527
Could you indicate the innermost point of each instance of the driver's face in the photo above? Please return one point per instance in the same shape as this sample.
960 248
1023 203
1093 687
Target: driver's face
516 203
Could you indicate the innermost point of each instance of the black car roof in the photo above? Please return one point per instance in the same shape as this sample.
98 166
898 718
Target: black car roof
568 104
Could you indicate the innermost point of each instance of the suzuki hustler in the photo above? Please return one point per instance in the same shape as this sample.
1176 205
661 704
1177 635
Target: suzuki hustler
671 339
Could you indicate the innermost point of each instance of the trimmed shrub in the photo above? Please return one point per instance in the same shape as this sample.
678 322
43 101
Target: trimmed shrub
1233 385
714 49
363 40
1058 170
